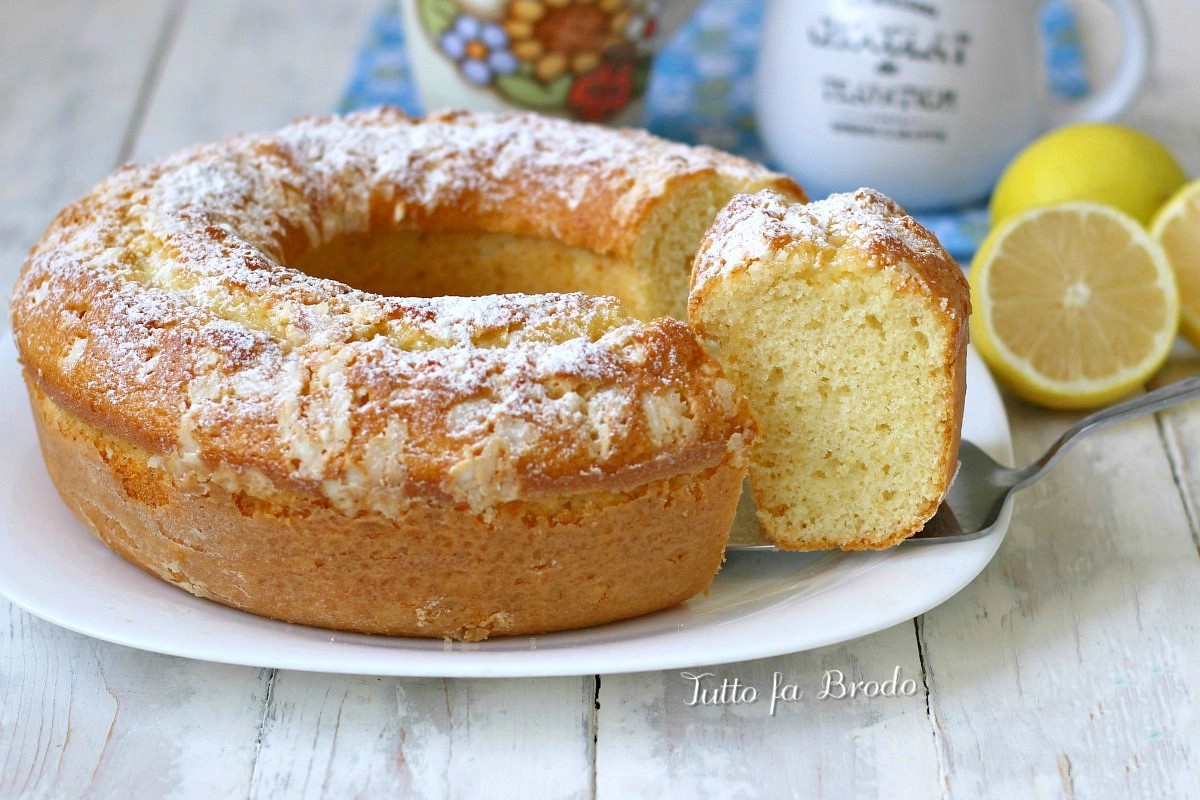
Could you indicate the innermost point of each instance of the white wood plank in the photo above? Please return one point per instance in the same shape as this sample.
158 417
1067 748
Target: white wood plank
70 76
327 735
350 736
1181 433
276 61
251 65
1065 669
80 717
655 740
332 735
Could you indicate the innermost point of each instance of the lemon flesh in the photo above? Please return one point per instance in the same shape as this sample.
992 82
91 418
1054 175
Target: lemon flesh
1075 305
1091 162
1176 228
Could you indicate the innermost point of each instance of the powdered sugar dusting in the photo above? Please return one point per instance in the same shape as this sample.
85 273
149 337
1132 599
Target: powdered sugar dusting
754 226
198 338
766 225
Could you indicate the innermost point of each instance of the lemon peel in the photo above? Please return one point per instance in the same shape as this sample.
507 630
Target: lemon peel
1094 162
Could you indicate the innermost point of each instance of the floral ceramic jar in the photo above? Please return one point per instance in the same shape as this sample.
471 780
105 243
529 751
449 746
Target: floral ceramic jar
584 59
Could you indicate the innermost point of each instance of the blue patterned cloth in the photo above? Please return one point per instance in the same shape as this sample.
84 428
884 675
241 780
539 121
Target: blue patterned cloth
701 88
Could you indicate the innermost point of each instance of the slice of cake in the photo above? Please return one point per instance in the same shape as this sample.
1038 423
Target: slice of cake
845 324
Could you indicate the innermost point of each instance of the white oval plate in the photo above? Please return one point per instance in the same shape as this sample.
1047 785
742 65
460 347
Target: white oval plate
761 604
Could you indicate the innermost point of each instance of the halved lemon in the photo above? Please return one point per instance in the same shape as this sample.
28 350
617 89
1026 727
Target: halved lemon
1176 228
1075 305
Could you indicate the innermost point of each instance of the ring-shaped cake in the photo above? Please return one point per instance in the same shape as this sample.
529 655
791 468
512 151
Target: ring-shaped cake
247 381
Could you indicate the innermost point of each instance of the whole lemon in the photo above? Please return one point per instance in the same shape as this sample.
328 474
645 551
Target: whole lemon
1093 162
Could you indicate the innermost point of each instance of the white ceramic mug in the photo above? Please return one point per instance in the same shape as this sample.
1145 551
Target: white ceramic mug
925 100
582 59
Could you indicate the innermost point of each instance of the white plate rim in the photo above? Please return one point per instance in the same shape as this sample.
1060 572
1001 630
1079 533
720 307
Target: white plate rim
104 597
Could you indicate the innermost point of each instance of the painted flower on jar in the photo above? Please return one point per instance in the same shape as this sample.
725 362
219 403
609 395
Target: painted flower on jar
480 47
574 36
603 92
586 58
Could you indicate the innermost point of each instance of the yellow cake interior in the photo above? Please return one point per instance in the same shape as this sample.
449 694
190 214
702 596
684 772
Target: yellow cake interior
847 379
651 280
842 368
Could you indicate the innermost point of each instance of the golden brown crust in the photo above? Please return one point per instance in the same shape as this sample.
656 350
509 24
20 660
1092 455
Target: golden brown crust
771 224
159 308
437 571
159 311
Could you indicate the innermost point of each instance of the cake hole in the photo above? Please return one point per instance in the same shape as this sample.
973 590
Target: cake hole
414 263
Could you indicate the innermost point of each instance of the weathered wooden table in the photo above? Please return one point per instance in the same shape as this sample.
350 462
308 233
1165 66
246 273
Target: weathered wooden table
1070 667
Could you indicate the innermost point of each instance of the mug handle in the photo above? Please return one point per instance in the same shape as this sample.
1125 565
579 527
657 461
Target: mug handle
1131 72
